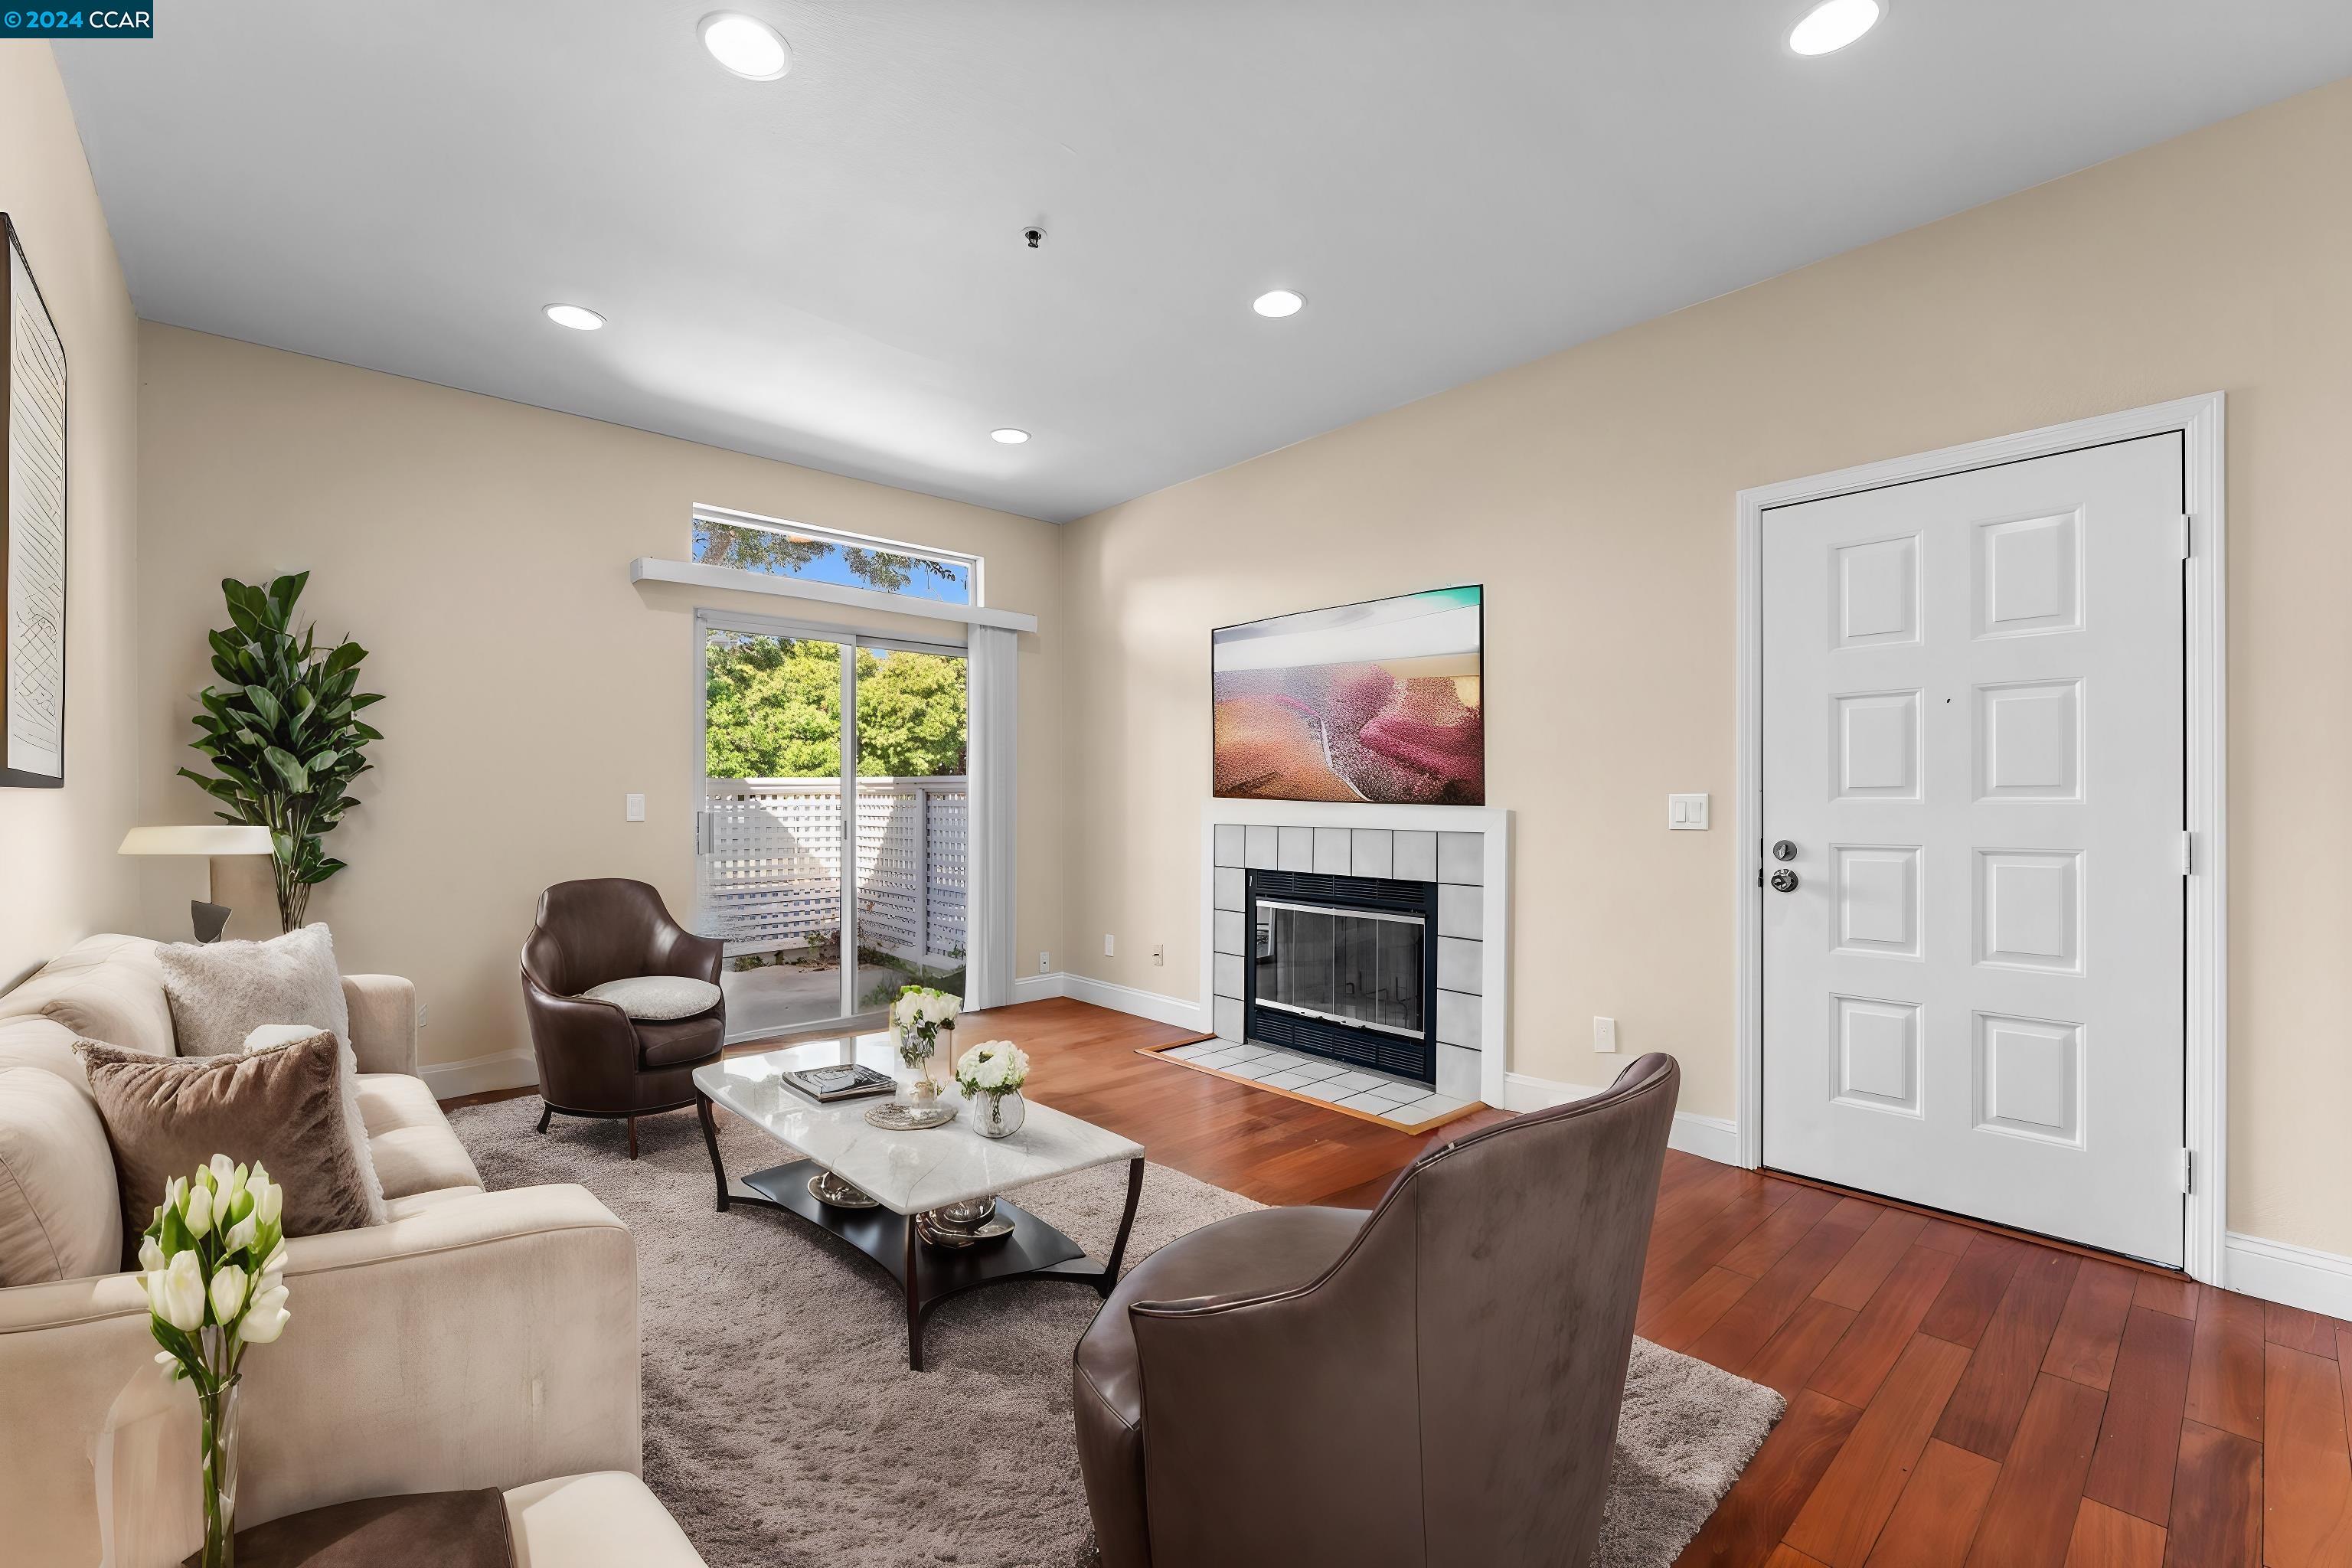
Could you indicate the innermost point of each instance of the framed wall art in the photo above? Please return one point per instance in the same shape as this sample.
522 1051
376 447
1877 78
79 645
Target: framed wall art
32 533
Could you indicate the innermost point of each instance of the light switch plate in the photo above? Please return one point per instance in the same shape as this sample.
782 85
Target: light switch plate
636 807
1604 1035
1110 945
1686 811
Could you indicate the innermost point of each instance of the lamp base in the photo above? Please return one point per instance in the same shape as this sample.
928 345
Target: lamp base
209 919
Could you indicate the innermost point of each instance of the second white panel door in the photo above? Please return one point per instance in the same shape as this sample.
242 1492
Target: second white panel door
1973 748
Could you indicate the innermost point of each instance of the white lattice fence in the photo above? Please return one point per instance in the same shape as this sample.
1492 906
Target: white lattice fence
769 867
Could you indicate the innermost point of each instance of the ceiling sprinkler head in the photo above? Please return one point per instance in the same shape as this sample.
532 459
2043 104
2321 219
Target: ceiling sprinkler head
1034 235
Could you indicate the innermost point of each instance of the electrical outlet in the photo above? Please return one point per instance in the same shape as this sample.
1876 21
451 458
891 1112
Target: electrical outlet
1604 1035
1160 953
636 806
424 1014
1110 945
1041 962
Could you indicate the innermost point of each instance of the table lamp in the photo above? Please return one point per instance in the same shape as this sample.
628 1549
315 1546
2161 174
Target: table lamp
209 919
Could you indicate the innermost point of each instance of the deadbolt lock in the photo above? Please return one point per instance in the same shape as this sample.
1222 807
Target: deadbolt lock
1784 850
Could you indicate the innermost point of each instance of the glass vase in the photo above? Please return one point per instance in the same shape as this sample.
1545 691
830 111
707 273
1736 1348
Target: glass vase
918 1077
999 1115
217 1413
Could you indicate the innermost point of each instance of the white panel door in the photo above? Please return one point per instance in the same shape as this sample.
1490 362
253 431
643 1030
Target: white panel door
1972 712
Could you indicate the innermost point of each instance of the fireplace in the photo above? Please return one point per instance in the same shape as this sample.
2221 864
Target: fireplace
1345 968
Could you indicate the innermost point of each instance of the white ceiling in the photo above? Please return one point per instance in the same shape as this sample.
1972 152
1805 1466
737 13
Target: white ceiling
828 269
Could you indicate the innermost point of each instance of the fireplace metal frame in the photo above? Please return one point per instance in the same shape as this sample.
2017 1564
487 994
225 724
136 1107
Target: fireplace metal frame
1355 1042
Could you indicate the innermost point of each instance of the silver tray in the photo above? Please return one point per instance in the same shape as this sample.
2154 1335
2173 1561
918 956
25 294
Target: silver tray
896 1116
832 1190
940 1235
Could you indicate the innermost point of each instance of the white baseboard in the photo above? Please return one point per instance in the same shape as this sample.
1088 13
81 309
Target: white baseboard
1040 987
1173 1011
1708 1136
480 1075
2281 1272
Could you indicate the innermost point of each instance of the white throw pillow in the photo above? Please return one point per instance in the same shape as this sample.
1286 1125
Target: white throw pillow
654 998
268 1038
222 990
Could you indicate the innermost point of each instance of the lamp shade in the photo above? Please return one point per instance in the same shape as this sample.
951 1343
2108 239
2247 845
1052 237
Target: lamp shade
221 841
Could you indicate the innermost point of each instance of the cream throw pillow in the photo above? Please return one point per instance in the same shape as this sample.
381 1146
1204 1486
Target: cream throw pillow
221 992
657 998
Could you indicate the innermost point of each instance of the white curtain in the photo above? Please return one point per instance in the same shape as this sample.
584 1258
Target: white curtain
994 674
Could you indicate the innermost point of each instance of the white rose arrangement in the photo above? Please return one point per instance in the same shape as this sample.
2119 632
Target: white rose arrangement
992 1067
917 1017
213 1267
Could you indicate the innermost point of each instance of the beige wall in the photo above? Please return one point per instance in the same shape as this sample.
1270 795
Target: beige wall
59 877
1592 493
480 550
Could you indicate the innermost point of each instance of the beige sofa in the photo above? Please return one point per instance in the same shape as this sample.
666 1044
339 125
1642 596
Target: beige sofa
474 1339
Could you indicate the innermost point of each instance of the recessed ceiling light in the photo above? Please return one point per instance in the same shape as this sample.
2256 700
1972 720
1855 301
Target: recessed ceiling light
1009 435
579 318
746 46
1833 24
1278 302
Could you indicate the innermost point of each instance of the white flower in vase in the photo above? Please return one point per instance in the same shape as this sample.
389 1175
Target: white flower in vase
992 1067
917 1017
213 1266
991 1075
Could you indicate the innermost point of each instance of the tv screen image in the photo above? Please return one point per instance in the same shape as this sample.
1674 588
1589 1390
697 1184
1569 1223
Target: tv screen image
1378 702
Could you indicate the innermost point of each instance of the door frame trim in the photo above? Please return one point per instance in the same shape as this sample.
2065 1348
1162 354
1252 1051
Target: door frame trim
2199 420
850 637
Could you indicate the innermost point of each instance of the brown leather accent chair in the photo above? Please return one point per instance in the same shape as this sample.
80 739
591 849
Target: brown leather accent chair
594 1059
1436 1383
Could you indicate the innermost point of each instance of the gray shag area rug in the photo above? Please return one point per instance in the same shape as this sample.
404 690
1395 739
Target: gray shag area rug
783 1430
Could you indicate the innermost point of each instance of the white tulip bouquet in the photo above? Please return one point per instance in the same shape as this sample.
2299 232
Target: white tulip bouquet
213 1265
992 1066
917 1017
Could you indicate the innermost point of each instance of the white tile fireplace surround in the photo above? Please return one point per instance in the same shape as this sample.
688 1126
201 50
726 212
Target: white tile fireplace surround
1465 850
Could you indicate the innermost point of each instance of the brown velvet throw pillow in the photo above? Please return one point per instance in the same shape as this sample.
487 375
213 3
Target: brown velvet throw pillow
283 1107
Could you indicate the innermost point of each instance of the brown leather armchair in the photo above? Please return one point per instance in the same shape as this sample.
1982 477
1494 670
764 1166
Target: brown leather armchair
1437 1383
594 1059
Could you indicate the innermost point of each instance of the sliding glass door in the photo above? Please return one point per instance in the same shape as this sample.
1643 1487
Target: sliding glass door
831 841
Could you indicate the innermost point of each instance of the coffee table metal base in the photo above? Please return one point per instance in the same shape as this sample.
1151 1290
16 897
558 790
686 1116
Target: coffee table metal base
928 1274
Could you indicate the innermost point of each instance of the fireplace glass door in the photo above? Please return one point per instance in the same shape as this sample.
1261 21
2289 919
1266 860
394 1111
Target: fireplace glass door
1361 968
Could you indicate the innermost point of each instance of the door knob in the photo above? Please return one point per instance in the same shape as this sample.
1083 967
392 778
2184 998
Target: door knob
1785 849
1784 880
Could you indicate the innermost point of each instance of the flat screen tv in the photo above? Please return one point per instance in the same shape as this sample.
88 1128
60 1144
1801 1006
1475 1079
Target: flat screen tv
1378 702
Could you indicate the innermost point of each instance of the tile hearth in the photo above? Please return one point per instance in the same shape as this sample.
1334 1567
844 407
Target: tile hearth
1397 1102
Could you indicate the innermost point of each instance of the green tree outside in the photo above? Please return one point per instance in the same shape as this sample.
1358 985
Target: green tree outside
751 548
774 708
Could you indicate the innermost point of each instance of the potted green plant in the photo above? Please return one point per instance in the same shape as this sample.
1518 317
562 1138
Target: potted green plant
283 733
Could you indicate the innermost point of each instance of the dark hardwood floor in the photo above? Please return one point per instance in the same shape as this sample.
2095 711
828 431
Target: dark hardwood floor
1958 1397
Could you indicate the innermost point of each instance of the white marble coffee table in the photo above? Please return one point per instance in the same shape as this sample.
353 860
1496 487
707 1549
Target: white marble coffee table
911 1173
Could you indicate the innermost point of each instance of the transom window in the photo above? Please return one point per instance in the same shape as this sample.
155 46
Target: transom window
781 549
